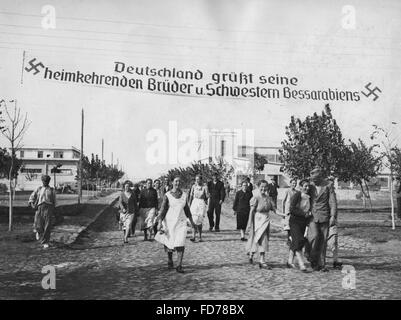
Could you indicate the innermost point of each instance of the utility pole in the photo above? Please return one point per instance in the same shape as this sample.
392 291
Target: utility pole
112 159
81 158
102 150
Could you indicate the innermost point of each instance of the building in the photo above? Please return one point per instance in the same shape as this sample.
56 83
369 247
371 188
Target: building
61 163
236 147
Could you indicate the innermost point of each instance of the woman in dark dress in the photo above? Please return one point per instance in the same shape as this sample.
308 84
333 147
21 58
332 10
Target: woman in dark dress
300 212
241 208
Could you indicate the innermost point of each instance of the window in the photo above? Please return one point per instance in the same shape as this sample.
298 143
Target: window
62 172
278 160
383 181
223 148
242 151
31 170
58 154
40 154
21 154
271 158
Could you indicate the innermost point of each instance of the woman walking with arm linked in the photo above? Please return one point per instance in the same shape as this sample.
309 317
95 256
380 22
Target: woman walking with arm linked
259 224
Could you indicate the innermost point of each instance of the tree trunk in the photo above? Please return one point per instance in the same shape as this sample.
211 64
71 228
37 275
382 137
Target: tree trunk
363 195
392 201
11 203
369 197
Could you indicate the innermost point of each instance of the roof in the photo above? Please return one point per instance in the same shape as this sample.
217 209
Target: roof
52 147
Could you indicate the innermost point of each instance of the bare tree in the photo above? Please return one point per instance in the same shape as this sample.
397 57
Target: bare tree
388 140
13 128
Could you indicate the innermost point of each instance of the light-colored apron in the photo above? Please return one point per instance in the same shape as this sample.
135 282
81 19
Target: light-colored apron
174 224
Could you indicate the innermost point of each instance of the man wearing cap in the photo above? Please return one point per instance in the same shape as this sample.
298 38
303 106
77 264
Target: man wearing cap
43 200
324 212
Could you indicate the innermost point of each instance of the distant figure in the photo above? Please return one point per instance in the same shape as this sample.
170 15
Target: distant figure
398 195
128 208
241 208
148 206
165 186
273 193
324 211
198 205
286 207
228 188
250 185
217 196
43 200
137 193
158 187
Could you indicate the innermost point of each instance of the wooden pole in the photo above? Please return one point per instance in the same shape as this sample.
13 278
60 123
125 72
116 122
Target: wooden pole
81 158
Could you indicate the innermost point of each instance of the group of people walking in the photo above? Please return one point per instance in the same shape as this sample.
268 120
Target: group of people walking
163 211
309 210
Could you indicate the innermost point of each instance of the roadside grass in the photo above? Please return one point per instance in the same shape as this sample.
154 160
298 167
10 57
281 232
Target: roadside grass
372 234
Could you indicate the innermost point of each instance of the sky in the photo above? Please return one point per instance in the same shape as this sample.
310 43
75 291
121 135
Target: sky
322 43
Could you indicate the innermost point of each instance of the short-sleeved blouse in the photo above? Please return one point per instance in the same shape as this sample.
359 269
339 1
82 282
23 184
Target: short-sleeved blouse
263 204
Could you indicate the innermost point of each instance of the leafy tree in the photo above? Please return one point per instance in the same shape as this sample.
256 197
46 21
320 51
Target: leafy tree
362 164
223 169
315 141
390 155
5 164
396 161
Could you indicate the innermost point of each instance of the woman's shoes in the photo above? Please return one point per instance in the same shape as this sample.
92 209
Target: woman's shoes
192 239
290 265
179 269
264 265
125 241
243 239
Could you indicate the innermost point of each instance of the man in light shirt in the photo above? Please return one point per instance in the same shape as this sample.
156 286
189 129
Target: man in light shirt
43 200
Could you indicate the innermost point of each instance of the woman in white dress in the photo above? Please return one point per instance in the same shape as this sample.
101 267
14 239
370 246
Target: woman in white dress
198 204
172 224
259 224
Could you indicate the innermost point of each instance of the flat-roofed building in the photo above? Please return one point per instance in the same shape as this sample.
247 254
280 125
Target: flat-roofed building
38 160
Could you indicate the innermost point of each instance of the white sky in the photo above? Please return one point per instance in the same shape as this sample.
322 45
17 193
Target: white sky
304 39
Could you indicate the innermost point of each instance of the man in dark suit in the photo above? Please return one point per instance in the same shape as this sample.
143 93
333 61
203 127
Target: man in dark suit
324 215
250 185
217 195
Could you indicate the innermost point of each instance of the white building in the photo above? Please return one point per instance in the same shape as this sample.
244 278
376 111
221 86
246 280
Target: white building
37 160
236 147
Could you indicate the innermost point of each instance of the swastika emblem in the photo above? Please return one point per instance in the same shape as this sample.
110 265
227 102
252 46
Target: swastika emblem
371 91
34 66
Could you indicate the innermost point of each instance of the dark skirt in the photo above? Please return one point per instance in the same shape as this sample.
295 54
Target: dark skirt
242 220
297 231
